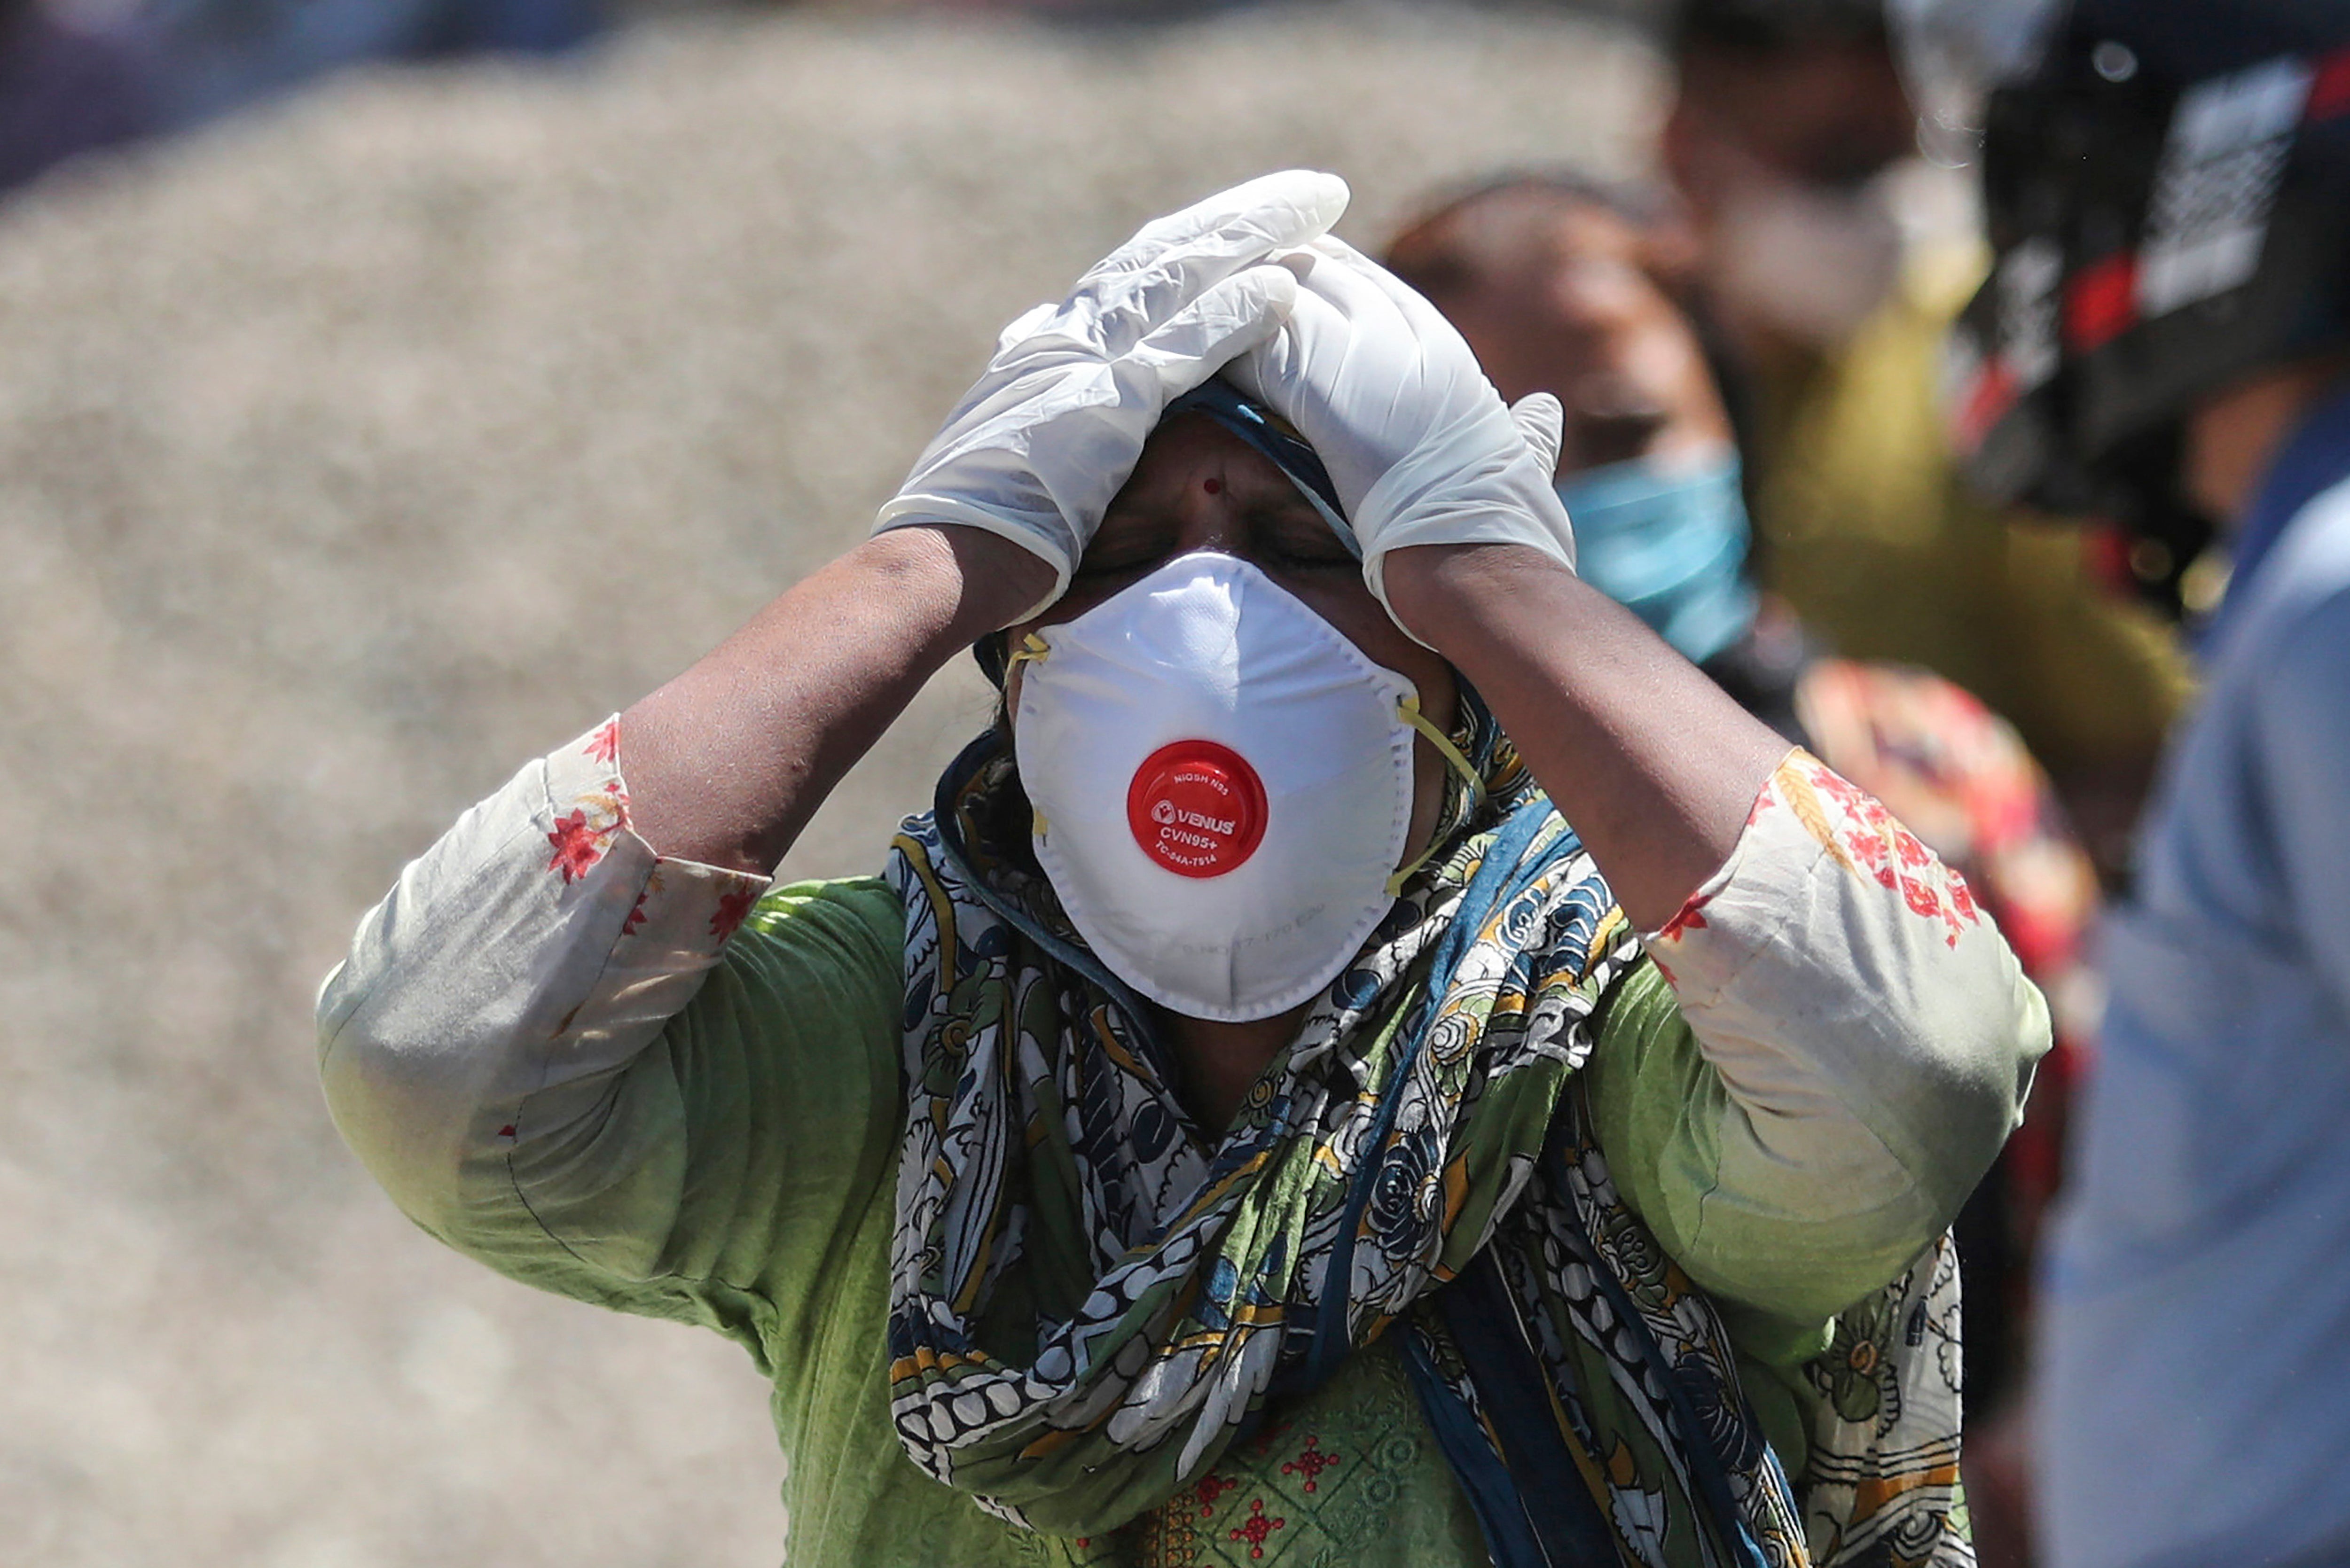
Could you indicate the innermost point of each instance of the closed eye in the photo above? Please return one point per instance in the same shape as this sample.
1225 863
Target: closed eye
1295 534
1127 542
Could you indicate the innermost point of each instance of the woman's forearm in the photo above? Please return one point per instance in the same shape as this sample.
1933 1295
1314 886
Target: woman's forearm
727 762
492 1007
1652 764
1868 1037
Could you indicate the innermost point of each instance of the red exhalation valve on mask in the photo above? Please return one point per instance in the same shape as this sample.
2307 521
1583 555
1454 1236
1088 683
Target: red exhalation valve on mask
1197 808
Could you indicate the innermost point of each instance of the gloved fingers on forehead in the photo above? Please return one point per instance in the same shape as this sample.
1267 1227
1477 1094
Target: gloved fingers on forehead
1265 365
1254 217
1335 275
1275 366
1227 320
1384 306
1119 312
1278 366
1146 282
1540 417
1352 270
1023 327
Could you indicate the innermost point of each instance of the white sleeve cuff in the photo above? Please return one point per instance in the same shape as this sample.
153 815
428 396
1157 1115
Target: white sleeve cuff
531 953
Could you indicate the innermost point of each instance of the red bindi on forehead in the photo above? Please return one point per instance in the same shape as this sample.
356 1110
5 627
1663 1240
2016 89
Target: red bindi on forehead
1212 485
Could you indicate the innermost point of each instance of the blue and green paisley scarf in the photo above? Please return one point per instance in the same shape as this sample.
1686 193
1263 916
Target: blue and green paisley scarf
1091 1298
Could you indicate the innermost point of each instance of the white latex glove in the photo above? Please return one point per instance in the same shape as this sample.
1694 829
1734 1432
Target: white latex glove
1049 435
1419 445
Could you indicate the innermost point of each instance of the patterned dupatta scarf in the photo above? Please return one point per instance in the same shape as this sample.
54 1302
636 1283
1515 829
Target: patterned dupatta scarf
1089 1304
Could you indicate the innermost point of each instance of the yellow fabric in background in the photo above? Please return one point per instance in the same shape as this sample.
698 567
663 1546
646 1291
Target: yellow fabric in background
1870 535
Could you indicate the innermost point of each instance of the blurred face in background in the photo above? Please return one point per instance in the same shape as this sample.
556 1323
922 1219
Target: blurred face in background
1786 159
1558 293
1569 289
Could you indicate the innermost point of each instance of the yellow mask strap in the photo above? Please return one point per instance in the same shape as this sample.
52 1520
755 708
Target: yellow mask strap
1408 706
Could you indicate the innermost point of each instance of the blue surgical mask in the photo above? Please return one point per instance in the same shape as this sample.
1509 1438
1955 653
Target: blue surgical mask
1669 543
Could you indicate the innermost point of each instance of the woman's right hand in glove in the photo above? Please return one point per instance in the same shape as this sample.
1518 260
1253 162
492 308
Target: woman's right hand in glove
1049 435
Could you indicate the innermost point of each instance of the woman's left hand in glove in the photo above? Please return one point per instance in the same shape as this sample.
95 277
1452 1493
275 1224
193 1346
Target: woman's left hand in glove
1420 447
1463 539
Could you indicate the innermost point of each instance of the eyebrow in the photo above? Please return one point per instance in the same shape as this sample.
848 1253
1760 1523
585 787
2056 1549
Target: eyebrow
1292 519
1267 505
1289 502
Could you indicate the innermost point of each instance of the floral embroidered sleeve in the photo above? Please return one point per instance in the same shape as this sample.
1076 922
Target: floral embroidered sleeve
533 1030
1867 1038
1960 776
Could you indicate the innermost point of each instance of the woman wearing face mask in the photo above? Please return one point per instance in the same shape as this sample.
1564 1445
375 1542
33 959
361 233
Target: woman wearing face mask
1241 1122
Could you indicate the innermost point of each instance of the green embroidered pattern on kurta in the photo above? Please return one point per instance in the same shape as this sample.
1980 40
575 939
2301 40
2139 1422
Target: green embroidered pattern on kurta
1344 1478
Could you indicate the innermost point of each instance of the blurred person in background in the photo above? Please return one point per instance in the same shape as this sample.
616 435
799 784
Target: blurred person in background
1557 283
1241 1125
71 80
79 77
223 54
1833 258
2167 326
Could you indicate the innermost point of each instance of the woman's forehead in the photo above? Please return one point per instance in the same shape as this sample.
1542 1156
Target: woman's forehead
1191 437
1190 450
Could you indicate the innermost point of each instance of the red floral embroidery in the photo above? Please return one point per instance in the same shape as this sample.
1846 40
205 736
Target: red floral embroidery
1256 1527
1962 898
507 1130
604 745
636 915
1866 839
1896 857
1868 848
1830 783
577 845
1207 1489
581 839
1310 1462
1687 920
731 909
1921 897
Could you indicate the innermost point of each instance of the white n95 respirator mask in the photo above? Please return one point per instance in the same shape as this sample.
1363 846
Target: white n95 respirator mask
1222 784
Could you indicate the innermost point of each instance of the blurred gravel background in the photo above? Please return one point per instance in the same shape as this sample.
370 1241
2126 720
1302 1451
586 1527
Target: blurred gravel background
365 446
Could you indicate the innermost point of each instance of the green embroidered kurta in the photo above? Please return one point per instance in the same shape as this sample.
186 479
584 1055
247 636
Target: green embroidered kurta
670 1090
744 1180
